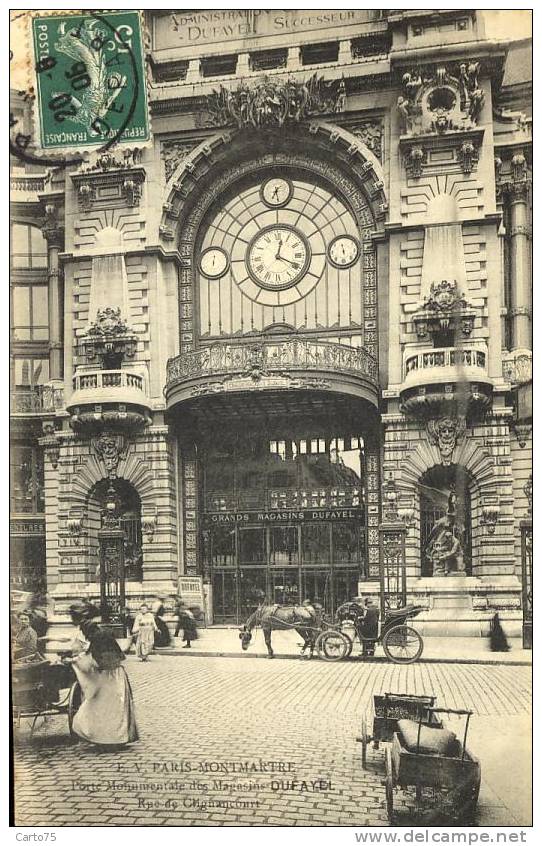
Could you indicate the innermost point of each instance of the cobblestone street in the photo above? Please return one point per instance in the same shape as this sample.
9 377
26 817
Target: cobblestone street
202 719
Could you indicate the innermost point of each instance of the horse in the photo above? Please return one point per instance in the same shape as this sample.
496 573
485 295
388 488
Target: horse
304 619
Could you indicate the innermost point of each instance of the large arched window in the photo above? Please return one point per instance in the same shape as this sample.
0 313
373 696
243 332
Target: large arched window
442 488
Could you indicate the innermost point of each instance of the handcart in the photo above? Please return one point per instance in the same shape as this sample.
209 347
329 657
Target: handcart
432 759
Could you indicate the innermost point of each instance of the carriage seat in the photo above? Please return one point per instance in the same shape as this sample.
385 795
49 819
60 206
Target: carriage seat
405 611
434 740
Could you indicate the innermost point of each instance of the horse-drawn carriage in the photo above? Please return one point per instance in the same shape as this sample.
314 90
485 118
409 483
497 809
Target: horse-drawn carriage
401 643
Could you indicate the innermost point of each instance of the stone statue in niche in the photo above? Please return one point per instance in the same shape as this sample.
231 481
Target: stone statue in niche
444 547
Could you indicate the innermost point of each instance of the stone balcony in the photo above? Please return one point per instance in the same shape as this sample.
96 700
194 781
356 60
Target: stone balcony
290 365
109 395
440 375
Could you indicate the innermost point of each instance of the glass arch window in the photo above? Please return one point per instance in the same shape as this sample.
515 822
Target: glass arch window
264 259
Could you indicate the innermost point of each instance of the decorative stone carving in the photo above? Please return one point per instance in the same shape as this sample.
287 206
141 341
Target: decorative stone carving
52 453
446 433
528 491
75 528
109 334
174 152
52 228
274 102
523 432
148 526
415 160
369 133
131 190
467 156
490 516
443 99
105 161
390 513
108 322
444 308
86 195
110 448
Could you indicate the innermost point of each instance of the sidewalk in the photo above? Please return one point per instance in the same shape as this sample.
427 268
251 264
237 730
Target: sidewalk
224 642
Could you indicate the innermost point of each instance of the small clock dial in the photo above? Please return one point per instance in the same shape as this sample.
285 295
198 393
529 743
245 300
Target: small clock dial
343 251
278 257
214 262
276 192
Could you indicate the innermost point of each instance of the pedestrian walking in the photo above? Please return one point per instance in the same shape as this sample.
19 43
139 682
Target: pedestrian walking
162 636
187 622
144 628
106 716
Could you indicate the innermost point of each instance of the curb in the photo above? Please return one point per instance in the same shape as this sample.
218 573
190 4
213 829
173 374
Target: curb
379 660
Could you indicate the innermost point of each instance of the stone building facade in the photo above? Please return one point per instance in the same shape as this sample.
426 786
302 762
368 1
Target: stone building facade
296 323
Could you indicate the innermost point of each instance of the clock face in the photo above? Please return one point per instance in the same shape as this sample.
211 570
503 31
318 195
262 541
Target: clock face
276 192
214 262
277 257
343 251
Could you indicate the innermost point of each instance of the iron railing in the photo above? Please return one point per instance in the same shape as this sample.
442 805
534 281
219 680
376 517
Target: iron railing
271 357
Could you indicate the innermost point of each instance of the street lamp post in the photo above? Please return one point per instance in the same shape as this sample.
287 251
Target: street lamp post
112 576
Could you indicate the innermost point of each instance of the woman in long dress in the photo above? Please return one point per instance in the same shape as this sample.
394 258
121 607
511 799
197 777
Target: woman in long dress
144 627
106 716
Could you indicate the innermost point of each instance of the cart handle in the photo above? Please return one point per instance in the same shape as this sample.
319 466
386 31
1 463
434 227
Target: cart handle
460 712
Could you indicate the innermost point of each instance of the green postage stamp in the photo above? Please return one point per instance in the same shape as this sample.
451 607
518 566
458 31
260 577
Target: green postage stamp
91 87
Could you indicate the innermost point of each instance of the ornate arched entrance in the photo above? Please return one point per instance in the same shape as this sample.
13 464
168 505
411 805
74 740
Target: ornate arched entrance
275 391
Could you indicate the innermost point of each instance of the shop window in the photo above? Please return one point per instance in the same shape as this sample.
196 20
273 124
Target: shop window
30 312
316 54
283 546
346 540
27 564
315 543
28 247
223 546
27 480
252 548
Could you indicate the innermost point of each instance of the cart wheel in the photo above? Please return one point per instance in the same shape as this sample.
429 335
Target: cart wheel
332 645
389 785
364 742
402 645
74 703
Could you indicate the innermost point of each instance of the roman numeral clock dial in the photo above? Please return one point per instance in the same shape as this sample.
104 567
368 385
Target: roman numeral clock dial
277 257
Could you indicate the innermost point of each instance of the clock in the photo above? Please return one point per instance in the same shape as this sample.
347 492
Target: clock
343 251
214 262
276 192
278 257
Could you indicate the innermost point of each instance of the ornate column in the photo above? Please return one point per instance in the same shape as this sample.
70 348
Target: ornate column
519 254
392 531
54 235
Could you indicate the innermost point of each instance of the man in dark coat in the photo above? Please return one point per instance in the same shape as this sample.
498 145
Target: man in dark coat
369 627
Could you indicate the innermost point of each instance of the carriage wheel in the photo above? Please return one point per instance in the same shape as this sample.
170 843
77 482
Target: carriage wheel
364 741
74 703
402 644
389 785
332 645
